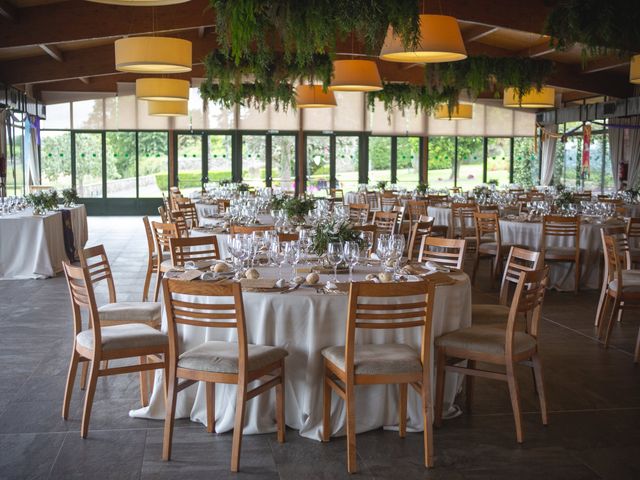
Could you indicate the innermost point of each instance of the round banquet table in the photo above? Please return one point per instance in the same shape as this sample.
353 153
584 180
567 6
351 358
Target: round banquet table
304 322
213 226
441 215
206 211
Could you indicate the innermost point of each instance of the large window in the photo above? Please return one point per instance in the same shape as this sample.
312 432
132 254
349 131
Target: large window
189 162
121 164
55 159
379 159
219 164
470 162
408 161
525 162
347 156
254 155
440 166
153 161
283 162
318 164
498 160
89 164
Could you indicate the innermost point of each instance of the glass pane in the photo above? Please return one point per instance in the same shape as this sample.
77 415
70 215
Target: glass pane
318 158
19 160
58 116
593 177
219 164
153 164
558 163
283 162
89 165
440 164
498 155
88 114
254 158
121 164
408 161
55 159
525 162
379 159
608 176
347 156
189 163
572 151
470 162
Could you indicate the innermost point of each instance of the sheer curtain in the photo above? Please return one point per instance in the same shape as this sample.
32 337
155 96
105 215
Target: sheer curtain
32 159
548 156
3 152
616 146
633 153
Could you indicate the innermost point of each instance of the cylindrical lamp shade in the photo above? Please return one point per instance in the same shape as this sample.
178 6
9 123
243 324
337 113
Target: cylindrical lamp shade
312 96
634 71
162 89
153 55
140 3
463 111
440 41
168 109
544 98
355 76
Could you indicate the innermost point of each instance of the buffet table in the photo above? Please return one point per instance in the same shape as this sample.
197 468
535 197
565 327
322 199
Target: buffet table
33 246
304 322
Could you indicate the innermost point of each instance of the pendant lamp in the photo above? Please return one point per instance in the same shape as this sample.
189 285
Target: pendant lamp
355 76
440 41
544 98
463 111
153 55
634 71
168 109
162 89
312 96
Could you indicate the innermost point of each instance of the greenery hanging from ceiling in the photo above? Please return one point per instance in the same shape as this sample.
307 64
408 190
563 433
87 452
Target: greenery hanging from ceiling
446 81
599 26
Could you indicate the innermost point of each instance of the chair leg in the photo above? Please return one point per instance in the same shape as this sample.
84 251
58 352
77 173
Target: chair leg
537 373
427 418
440 379
71 377
326 408
614 312
402 410
469 381
88 399
280 419
636 355
157 289
83 375
577 287
238 426
144 383
147 281
476 263
602 324
515 400
603 295
211 406
351 429
172 396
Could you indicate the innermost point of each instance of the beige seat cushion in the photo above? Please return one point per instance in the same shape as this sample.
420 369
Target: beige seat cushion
489 314
222 357
130 335
485 339
630 282
381 359
142 312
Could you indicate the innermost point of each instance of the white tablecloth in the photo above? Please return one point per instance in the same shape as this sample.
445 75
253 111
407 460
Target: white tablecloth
304 322
222 238
32 246
441 215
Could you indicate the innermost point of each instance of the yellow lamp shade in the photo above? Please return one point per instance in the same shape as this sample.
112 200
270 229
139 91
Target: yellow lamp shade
168 109
355 76
440 41
162 89
545 98
312 96
634 71
153 55
140 3
463 111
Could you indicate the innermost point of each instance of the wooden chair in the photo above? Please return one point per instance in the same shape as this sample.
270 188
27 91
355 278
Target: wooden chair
359 213
373 199
345 367
288 237
178 218
388 201
519 260
437 200
194 249
555 226
448 252
236 363
162 232
489 209
436 230
189 212
498 346
455 190
462 222
415 209
419 230
368 228
223 205
99 344
400 220
385 222
489 243
633 236
535 197
622 293
249 229
337 194
152 263
582 197
164 216
619 232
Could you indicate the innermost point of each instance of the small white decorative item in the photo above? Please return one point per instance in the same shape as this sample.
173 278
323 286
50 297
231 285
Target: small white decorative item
252 274
370 277
281 283
313 278
385 277
221 267
298 280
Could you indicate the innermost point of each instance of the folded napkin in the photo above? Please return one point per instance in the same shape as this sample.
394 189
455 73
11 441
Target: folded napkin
436 267
189 275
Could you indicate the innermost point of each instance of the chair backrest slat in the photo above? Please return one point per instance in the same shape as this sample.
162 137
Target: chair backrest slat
519 260
193 249
82 296
359 213
445 251
527 300
95 261
385 222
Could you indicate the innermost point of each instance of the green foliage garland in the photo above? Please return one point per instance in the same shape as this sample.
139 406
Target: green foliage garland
333 231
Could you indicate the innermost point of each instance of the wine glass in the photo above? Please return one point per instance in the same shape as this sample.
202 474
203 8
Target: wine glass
334 257
367 241
292 255
351 256
382 248
396 250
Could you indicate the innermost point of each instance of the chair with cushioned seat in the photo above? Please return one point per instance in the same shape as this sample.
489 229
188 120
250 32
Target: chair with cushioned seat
519 260
488 244
563 229
345 367
448 252
193 249
162 232
218 306
101 343
498 346
152 263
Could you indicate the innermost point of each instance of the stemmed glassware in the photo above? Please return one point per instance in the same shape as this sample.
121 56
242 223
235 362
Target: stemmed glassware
367 241
292 255
396 250
335 255
382 248
351 256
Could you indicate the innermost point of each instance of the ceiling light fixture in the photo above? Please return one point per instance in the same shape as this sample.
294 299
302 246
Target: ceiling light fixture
312 96
168 109
153 55
463 111
543 98
355 76
162 89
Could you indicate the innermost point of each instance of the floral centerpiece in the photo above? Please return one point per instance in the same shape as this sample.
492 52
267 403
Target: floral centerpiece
297 208
382 185
563 199
70 197
333 231
243 187
422 188
278 201
42 201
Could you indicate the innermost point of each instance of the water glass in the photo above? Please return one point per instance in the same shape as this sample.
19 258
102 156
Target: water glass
351 256
334 257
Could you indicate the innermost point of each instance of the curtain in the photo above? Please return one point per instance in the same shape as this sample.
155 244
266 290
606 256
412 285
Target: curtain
32 159
616 146
548 156
3 152
633 153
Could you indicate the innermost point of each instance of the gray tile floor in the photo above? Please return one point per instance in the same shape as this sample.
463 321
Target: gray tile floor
593 395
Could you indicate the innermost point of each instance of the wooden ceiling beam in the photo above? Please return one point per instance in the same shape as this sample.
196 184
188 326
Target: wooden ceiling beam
540 49
600 83
478 32
8 11
53 51
603 64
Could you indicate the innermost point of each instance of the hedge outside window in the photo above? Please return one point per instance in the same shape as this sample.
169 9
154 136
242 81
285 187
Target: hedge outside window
440 166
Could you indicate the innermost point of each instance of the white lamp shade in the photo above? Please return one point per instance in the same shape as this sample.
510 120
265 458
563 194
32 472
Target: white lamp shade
140 3
440 41
463 111
544 98
162 89
168 109
634 70
153 55
312 96
355 76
